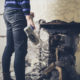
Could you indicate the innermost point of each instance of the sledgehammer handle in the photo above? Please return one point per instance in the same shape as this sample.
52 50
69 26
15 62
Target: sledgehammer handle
49 69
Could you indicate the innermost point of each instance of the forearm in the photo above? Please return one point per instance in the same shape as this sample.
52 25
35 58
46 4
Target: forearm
28 17
25 4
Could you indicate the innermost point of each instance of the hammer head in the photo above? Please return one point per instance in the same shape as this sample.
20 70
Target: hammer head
32 14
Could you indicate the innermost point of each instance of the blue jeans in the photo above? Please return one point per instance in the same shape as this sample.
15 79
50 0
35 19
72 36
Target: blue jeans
16 42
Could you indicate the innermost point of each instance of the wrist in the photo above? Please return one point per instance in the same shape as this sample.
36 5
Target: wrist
28 17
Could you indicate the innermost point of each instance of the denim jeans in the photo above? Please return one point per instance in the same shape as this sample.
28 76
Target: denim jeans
16 42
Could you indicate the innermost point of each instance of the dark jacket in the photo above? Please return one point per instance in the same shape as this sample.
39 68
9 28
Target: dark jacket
24 5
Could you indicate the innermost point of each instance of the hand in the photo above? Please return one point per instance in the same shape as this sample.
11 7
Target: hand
30 21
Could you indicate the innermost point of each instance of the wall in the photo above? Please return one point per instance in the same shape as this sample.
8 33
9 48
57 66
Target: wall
67 10
2 24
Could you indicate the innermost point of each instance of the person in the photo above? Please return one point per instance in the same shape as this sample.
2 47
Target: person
17 17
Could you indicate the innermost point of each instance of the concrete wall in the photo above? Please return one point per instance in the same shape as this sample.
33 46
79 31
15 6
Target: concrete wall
2 28
67 10
2 24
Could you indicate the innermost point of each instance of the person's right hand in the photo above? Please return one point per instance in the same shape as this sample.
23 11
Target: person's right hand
30 21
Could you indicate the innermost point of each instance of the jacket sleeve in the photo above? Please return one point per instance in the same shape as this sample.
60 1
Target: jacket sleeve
25 5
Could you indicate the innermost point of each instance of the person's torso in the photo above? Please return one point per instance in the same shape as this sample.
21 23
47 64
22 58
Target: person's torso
14 4
23 5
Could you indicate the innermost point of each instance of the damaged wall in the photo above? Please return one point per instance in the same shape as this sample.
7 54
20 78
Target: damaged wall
66 10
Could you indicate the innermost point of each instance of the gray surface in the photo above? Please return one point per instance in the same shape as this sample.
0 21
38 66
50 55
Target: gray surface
1 6
2 26
2 44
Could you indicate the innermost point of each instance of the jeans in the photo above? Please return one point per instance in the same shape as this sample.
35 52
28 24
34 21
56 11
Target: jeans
16 42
